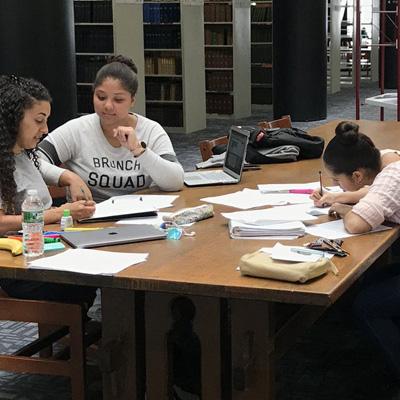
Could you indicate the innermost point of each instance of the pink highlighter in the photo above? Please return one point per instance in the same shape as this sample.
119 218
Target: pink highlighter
301 191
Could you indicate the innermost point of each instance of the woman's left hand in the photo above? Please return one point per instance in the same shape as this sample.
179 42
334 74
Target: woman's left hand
339 210
126 135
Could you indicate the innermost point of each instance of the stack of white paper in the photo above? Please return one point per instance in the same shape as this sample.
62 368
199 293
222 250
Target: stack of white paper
277 214
285 230
88 261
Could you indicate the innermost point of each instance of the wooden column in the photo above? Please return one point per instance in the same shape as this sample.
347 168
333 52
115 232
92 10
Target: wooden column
252 331
119 361
206 325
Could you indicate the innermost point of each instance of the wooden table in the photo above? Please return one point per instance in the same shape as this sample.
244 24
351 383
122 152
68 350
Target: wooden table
237 322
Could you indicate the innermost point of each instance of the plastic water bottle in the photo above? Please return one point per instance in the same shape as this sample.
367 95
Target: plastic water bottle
32 224
66 220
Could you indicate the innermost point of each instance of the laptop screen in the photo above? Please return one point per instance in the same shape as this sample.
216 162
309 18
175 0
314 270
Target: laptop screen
236 150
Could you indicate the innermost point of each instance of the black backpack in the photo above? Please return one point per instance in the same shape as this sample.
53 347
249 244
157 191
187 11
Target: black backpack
308 146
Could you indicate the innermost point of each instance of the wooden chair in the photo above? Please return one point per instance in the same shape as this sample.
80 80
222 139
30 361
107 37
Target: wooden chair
206 146
284 122
68 319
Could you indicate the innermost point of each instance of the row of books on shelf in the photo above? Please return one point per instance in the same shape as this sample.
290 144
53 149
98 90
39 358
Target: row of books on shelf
99 40
218 36
165 91
219 103
161 65
93 11
217 12
155 38
215 58
219 81
261 14
161 13
166 115
87 67
261 33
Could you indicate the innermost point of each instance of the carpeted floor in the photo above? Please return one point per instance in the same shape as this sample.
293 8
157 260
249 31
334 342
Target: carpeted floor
333 361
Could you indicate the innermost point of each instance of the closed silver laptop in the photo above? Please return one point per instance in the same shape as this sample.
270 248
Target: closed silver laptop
113 236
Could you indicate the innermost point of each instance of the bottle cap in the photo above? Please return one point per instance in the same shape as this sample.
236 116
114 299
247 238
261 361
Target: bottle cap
66 213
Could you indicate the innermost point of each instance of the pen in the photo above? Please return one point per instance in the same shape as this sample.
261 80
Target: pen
52 234
320 184
307 252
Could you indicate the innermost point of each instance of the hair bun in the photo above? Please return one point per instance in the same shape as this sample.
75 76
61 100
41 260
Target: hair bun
124 60
347 132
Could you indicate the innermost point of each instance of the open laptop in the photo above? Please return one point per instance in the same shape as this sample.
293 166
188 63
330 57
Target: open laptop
233 163
112 236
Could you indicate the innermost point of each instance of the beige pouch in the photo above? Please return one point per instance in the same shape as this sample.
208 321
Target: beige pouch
261 265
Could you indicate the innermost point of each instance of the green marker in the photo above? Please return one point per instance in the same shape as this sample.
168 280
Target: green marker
51 240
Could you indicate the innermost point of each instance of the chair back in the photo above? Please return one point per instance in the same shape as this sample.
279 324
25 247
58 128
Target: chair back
284 122
206 146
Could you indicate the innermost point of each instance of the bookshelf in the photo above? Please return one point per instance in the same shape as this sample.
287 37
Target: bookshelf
341 37
227 57
93 44
174 64
261 52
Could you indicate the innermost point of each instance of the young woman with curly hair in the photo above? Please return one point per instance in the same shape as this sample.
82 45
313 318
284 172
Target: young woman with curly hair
24 109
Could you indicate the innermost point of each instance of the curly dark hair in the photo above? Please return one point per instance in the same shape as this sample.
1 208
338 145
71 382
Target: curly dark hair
17 95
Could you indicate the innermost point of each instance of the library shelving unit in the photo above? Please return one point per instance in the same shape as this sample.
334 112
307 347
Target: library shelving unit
163 39
227 57
261 52
93 44
341 39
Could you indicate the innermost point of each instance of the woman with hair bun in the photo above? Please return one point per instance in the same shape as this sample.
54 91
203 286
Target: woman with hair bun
368 177
344 166
113 150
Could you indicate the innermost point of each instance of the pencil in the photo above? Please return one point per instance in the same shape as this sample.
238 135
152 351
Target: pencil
320 184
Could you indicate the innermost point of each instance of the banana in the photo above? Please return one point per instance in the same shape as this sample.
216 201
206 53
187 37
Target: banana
13 245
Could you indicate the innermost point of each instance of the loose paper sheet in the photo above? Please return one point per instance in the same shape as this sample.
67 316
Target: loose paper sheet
336 230
89 261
